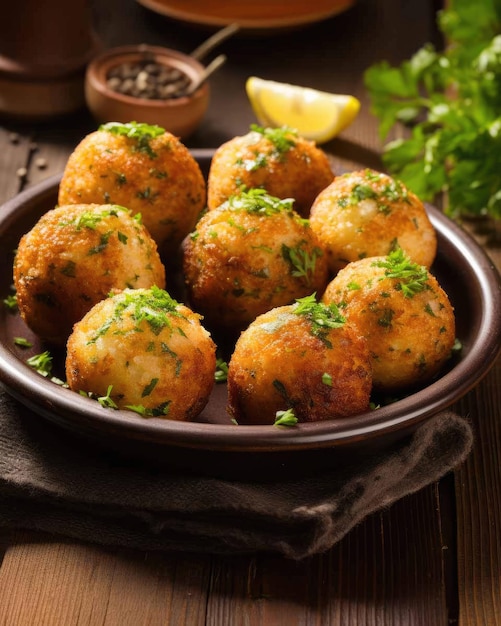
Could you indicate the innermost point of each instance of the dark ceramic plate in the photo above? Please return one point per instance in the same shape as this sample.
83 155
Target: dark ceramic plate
214 445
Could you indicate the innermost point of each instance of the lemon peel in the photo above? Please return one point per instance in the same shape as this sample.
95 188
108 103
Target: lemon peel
316 115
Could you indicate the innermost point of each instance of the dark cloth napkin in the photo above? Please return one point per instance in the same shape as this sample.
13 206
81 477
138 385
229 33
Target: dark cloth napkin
57 484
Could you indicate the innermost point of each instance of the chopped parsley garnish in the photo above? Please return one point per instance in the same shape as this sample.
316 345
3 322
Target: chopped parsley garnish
90 219
285 418
412 278
221 373
11 302
22 342
149 387
140 132
302 261
327 379
260 202
103 242
283 139
107 400
392 191
70 269
150 305
42 363
322 317
157 411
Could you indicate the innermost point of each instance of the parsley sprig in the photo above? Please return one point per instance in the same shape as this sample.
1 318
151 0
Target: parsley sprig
283 138
153 306
452 100
322 317
140 132
259 201
412 278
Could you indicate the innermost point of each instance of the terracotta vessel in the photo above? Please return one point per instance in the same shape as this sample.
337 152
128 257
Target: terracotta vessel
44 49
180 116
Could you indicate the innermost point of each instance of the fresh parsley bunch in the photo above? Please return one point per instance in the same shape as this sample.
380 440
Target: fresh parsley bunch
452 100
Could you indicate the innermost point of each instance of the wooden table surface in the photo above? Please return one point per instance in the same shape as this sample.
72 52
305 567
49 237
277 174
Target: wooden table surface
433 558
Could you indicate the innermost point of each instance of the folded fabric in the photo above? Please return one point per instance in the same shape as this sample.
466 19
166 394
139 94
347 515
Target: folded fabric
52 482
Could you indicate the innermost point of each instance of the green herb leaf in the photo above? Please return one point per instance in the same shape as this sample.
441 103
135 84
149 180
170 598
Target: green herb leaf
107 400
412 278
259 201
452 100
285 418
327 379
22 342
11 302
159 411
303 262
283 139
42 363
221 373
140 132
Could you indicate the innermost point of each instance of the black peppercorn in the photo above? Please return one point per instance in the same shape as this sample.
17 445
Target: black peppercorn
147 79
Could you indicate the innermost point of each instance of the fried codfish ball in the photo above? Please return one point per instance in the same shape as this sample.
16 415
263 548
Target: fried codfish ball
404 314
143 168
74 257
251 254
303 357
275 159
366 213
152 351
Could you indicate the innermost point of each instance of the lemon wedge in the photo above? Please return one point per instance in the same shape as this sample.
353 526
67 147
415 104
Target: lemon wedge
316 115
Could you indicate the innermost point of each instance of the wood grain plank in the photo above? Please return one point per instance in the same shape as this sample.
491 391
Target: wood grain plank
478 482
49 582
388 570
14 155
478 492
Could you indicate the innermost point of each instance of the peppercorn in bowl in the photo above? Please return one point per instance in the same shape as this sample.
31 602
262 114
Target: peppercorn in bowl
212 443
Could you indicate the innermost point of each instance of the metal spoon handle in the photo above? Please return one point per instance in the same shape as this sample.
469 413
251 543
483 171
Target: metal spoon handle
210 69
213 41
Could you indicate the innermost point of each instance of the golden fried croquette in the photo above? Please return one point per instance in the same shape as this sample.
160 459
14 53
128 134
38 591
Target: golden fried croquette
303 357
143 168
152 351
275 159
403 312
366 213
75 256
251 254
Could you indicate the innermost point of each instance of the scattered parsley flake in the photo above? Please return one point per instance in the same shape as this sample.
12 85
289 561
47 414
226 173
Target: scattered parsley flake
149 387
285 418
11 302
158 411
221 373
22 342
107 401
327 379
42 363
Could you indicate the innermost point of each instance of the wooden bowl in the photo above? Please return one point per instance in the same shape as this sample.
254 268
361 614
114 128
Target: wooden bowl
178 115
